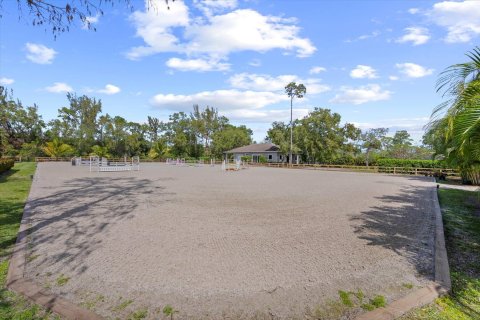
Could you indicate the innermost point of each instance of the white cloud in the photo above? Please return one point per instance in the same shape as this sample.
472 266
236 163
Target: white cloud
6 81
393 78
374 34
109 89
155 28
461 19
415 35
59 87
413 10
209 7
215 36
316 70
222 99
246 29
362 72
360 95
200 65
38 53
263 82
413 70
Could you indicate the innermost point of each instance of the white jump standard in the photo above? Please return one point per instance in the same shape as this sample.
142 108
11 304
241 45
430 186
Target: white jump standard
103 165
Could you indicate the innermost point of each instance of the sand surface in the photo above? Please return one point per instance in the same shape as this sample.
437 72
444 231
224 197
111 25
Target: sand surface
256 242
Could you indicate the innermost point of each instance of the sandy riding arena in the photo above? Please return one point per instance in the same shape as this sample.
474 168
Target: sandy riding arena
254 243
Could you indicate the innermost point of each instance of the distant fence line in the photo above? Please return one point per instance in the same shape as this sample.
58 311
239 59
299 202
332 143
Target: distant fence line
372 169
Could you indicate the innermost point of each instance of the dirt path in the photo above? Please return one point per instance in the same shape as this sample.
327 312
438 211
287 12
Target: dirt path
216 244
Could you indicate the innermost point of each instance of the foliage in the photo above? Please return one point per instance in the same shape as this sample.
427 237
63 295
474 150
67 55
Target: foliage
348 305
345 298
18 124
58 16
138 314
168 310
318 137
6 164
461 218
262 159
454 128
62 280
372 140
229 138
410 163
246 158
100 151
57 149
206 123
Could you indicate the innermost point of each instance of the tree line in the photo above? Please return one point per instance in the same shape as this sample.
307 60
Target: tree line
320 137
82 129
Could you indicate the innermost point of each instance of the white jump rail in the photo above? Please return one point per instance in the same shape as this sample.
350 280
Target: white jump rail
104 166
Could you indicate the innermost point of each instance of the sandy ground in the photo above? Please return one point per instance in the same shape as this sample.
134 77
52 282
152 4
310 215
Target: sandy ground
256 242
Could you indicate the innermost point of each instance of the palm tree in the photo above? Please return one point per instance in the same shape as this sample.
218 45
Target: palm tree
293 91
56 149
456 121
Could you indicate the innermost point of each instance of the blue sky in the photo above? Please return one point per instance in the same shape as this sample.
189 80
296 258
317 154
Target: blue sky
374 62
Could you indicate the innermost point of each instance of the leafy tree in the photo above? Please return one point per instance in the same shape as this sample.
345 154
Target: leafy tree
116 136
77 124
279 134
401 145
205 123
293 91
57 149
100 151
372 140
58 15
182 136
159 149
230 137
320 136
154 128
18 124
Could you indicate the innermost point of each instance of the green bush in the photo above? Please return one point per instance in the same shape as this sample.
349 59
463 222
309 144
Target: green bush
262 159
246 158
6 164
410 163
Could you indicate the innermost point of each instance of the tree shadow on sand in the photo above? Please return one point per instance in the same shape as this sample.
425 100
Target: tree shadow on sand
405 224
74 214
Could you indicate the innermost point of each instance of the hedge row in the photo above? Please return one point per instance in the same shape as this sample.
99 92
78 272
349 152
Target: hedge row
6 164
410 163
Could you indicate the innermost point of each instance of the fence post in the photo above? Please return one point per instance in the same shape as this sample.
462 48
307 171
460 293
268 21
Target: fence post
393 170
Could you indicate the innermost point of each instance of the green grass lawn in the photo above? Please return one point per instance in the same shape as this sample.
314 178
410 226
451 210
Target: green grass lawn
461 217
14 188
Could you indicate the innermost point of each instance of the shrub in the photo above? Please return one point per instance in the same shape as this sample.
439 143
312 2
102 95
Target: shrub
6 164
410 163
246 158
262 159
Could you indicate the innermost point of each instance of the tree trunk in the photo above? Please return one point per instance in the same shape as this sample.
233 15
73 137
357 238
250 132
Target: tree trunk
367 156
290 160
